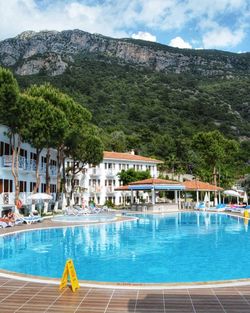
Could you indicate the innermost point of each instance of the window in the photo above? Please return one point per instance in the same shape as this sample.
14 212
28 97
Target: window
44 159
53 162
32 186
23 153
120 166
106 165
7 150
8 185
22 186
1 148
76 182
43 187
52 188
33 156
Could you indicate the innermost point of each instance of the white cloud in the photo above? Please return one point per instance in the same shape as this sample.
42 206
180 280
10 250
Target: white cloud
144 36
221 37
178 42
119 18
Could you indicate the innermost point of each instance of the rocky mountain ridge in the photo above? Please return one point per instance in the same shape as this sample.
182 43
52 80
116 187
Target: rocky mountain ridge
52 52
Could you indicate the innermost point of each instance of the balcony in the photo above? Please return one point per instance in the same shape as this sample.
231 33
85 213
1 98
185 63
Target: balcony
94 189
26 165
94 172
111 173
52 169
110 189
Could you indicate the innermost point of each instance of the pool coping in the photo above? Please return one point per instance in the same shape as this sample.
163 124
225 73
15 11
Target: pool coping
126 285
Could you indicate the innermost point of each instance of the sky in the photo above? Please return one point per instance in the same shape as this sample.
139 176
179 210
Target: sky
196 24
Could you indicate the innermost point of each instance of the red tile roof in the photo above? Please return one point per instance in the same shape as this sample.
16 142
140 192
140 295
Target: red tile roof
129 157
122 188
155 181
199 185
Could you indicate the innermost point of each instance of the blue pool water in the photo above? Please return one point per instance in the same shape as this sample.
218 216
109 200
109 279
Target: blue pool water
181 247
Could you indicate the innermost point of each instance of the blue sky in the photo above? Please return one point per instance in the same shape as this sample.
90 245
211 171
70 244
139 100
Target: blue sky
198 24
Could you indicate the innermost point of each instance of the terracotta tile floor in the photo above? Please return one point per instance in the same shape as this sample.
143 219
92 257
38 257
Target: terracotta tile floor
26 297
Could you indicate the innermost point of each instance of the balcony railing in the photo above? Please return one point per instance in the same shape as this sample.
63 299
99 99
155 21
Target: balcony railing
110 189
52 169
94 189
94 172
110 173
26 165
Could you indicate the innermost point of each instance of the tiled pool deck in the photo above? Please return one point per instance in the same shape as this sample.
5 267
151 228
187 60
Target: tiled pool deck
22 296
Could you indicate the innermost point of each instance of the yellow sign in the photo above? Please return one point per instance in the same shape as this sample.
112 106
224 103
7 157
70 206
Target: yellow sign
246 214
69 271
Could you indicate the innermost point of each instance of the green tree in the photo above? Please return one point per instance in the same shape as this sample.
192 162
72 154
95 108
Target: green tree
213 151
117 141
83 147
78 122
162 146
46 124
131 175
13 114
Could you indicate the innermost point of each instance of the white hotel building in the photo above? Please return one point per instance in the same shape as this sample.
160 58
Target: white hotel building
94 183
27 171
98 183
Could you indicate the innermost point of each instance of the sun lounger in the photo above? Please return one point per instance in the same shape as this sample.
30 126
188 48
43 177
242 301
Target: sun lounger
4 224
200 206
20 219
221 207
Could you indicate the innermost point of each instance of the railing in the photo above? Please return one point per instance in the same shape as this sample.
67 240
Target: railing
94 189
110 173
110 189
95 172
52 169
27 165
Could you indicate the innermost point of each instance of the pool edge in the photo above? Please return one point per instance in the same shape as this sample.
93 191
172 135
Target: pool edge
121 285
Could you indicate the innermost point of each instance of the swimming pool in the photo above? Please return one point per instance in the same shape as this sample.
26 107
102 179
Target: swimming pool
88 218
181 247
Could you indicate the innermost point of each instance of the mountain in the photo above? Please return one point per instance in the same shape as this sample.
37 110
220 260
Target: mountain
52 52
141 94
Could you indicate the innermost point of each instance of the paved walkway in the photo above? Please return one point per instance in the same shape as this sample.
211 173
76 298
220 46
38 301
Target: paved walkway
21 296
18 296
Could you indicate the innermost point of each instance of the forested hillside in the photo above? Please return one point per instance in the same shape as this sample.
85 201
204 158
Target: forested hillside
153 110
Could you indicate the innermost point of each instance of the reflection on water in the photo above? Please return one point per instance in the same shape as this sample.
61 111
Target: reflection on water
153 248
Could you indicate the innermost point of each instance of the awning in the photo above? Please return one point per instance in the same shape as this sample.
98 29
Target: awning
156 187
